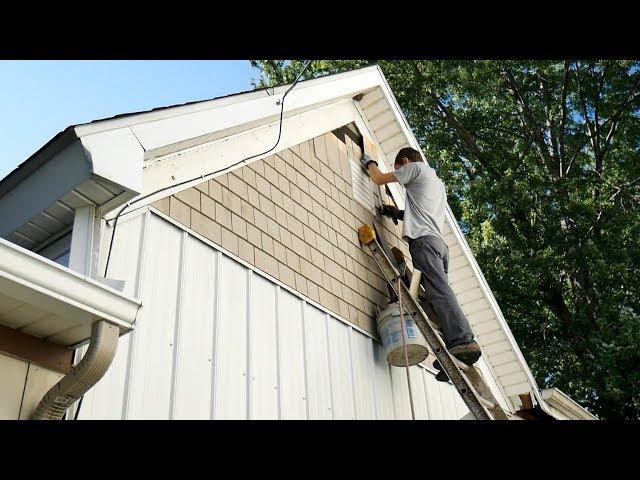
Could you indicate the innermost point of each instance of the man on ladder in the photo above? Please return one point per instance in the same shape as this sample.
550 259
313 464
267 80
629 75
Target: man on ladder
423 220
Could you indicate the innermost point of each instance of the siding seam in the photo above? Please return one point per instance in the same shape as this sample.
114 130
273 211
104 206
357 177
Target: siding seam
249 372
304 358
277 324
177 326
393 393
214 343
373 381
326 333
353 381
426 396
130 372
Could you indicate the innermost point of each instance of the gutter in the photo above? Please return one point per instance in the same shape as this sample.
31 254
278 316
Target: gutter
48 286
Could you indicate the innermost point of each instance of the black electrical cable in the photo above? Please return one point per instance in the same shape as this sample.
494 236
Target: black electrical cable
75 417
115 223
113 234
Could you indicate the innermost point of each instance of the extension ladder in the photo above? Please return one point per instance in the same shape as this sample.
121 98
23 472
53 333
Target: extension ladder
467 379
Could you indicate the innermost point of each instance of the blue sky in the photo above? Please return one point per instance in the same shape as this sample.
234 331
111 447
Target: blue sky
38 99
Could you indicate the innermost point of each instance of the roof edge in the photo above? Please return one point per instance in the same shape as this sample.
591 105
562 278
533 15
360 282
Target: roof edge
160 113
559 400
37 160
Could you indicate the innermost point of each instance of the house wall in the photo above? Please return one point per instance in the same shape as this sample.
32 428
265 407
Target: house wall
293 215
217 339
23 386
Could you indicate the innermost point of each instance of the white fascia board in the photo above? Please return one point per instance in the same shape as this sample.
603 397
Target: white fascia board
306 92
404 125
197 162
50 287
173 125
157 134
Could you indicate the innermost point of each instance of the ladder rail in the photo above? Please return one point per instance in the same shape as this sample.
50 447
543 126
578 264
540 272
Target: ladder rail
467 380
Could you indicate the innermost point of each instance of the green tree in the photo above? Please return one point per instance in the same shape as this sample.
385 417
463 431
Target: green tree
541 163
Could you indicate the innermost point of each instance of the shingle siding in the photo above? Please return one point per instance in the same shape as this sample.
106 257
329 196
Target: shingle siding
293 216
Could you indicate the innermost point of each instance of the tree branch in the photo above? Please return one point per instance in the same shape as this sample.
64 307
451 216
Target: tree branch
596 108
552 296
563 121
583 103
468 138
614 119
534 130
546 98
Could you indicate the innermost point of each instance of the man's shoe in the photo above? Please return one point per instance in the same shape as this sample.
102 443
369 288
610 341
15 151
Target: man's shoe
441 376
467 353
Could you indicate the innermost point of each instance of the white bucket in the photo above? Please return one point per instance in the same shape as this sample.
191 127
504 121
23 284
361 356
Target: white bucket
390 331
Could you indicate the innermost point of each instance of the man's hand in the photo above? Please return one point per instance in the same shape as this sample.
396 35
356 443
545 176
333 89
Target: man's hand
365 161
394 213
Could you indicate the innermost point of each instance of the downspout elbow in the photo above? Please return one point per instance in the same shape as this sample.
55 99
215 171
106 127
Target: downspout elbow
84 375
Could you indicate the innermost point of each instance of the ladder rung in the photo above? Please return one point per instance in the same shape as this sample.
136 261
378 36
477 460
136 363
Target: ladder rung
489 405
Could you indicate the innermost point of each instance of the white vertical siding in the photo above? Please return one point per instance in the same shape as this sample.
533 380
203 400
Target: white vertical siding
293 388
230 377
419 396
217 339
194 352
125 264
446 400
152 357
318 368
263 350
400 393
385 409
363 190
341 372
432 391
362 364
14 375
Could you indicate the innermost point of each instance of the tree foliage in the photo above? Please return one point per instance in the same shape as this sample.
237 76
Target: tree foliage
542 166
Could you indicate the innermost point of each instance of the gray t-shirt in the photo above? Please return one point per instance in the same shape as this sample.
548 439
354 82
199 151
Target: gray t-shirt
425 201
